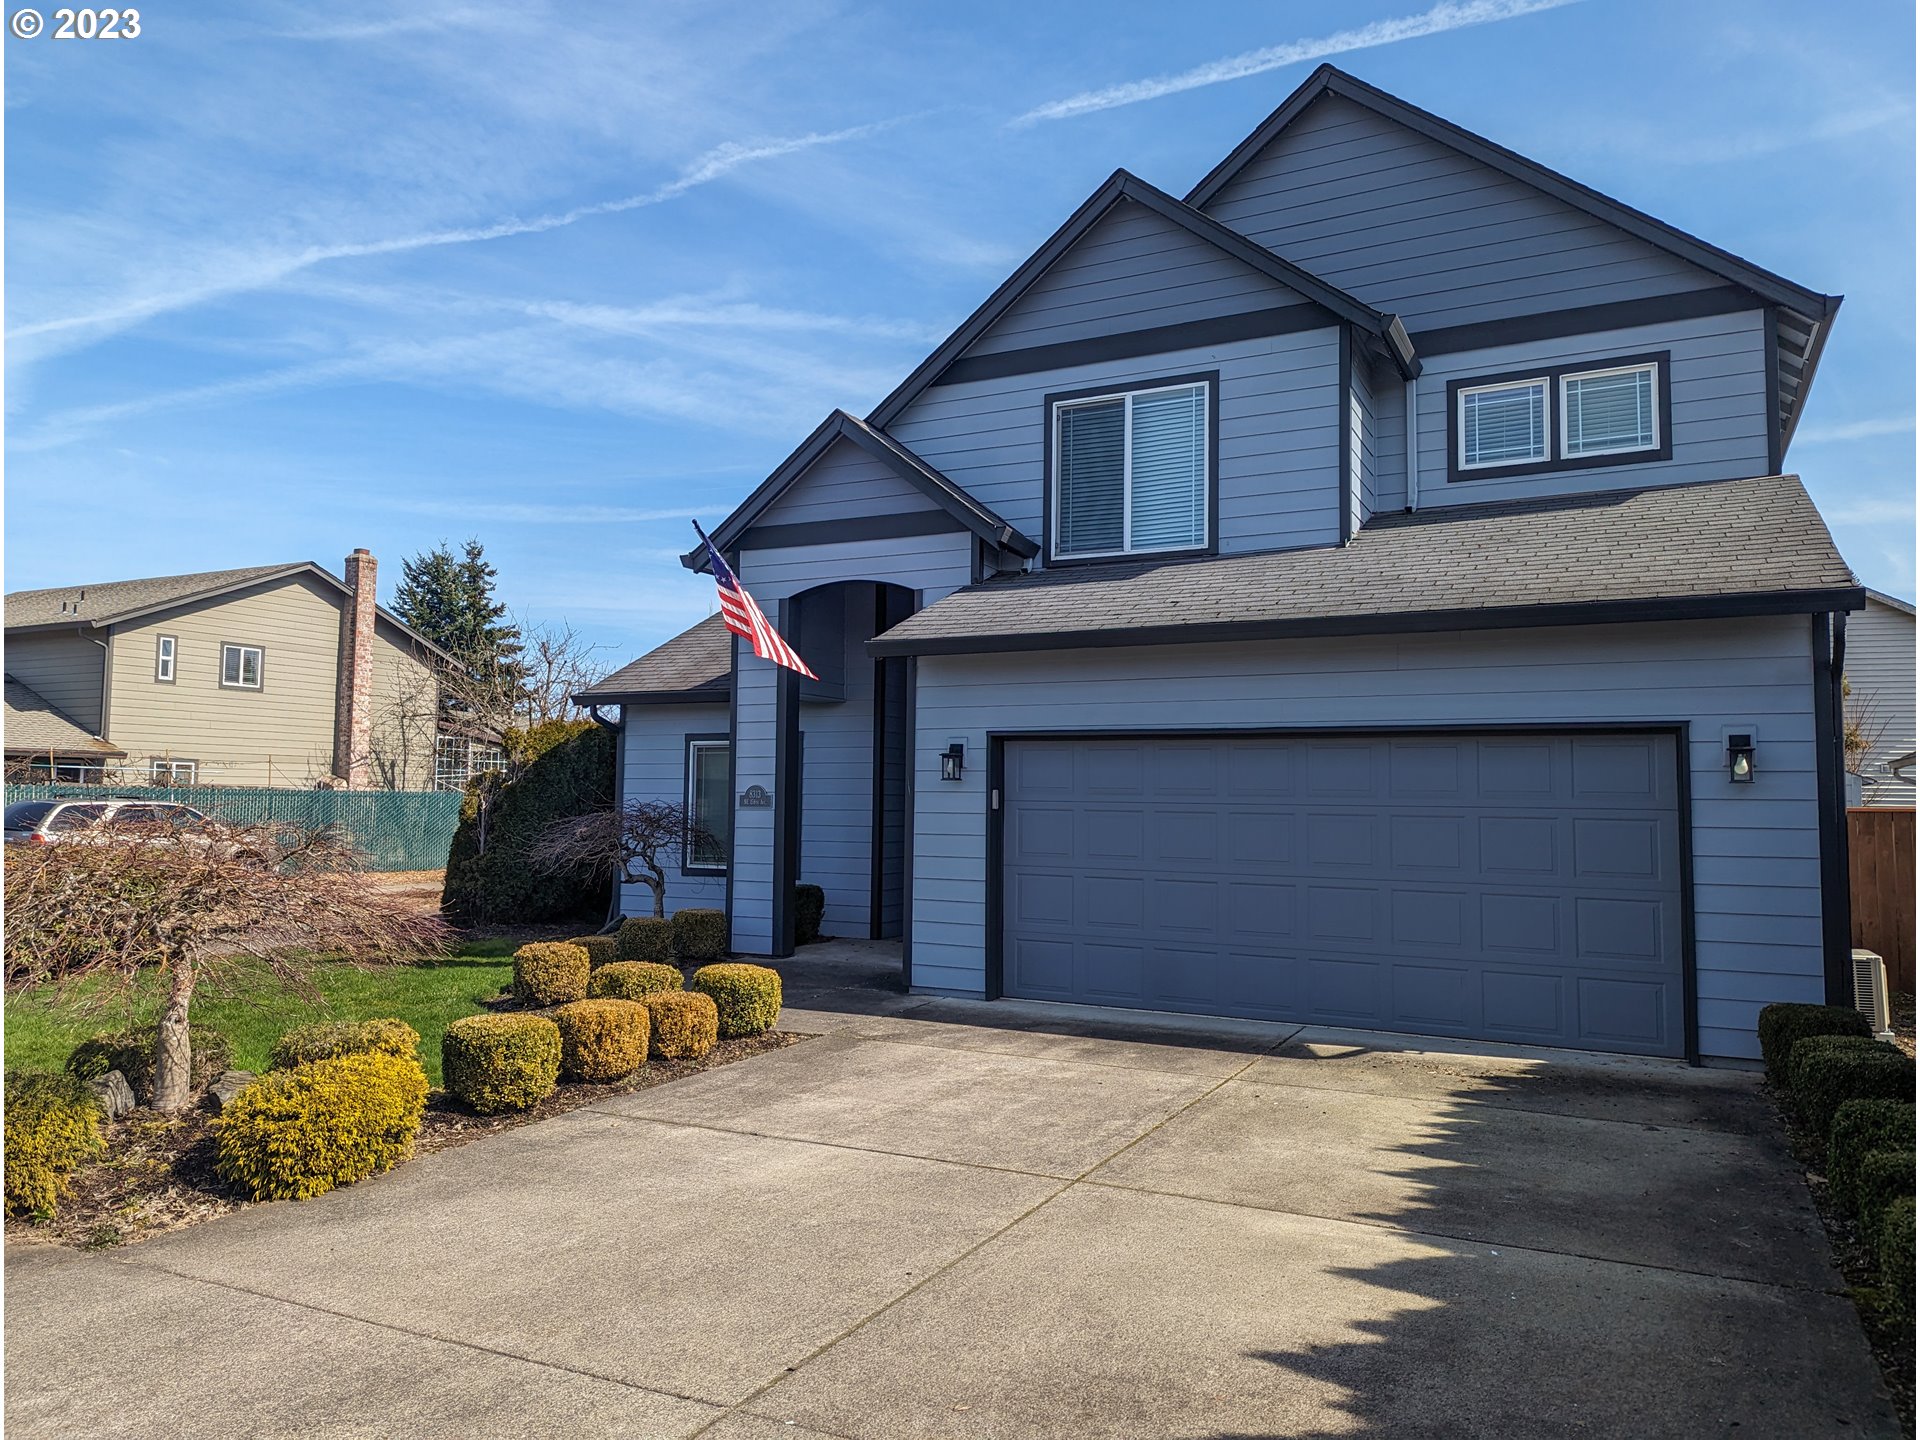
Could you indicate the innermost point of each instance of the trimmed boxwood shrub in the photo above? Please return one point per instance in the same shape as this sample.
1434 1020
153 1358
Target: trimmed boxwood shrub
699 935
1893 1242
601 949
53 1123
631 979
131 1053
1862 1128
1885 1176
1782 1026
305 1044
297 1133
602 1040
1826 1071
809 906
550 972
646 939
686 1024
747 996
501 1062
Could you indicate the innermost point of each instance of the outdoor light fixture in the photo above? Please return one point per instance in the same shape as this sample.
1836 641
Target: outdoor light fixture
1740 759
953 760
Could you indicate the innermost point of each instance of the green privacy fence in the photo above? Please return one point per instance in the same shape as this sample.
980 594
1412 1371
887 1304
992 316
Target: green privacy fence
398 829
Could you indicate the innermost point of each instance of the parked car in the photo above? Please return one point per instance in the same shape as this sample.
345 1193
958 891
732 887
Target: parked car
42 822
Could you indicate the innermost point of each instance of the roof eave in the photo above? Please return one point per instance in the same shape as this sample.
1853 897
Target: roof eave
713 694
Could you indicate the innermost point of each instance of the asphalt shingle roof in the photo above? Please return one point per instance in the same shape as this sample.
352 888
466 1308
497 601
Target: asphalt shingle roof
121 597
35 726
1461 565
697 659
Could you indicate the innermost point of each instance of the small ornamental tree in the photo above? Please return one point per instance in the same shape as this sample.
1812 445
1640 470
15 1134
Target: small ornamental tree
637 842
193 904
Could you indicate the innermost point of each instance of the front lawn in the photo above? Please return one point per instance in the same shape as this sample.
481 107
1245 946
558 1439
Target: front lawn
42 1025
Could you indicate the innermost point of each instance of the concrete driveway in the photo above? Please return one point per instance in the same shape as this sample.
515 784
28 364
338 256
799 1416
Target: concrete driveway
950 1219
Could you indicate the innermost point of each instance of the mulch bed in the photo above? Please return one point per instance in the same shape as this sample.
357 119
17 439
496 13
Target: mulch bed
157 1174
1889 1335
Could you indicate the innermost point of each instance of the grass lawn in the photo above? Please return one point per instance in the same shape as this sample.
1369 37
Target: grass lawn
43 1026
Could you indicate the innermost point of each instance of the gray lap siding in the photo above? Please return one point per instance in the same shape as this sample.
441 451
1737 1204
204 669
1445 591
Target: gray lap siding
1755 849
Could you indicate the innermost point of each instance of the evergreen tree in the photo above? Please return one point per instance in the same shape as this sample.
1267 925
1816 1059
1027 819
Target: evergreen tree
449 599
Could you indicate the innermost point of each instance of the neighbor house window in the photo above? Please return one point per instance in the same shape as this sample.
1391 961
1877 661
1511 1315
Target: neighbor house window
709 804
1610 412
1130 471
1503 424
173 772
163 659
457 759
241 666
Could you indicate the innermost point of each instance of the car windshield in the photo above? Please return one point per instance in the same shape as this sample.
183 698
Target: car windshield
25 814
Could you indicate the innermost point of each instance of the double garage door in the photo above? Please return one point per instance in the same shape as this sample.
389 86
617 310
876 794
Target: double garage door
1516 887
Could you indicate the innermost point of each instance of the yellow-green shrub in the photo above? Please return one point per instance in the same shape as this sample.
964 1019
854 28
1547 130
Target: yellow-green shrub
646 938
501 1062
601 949
699 935
550 972
748 996
297 1133
685 1024
602 1040
326 1040
630 979
53 1123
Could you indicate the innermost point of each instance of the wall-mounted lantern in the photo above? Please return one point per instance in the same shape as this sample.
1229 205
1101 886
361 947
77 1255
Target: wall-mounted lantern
953 761
1740 759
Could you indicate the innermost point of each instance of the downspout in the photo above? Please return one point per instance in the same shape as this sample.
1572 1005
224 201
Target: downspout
618 729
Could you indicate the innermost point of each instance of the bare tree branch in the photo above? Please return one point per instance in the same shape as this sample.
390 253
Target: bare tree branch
637 842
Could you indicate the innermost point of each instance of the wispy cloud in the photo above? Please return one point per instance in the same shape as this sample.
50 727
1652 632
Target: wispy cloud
273 269
1853 430
459 18
544 514
1448 15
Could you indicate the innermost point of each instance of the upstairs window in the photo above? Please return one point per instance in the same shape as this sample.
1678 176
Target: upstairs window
1503 424
1609 412
163 659
241 666
1130 471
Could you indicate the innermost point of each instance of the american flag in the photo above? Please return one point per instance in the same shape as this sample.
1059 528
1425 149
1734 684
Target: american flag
743 617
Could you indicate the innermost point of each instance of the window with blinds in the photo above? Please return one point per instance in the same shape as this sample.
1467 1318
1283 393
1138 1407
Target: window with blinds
1130 472
1609 412
1503 424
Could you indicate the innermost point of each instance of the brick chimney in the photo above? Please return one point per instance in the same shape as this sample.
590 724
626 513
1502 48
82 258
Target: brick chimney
353 705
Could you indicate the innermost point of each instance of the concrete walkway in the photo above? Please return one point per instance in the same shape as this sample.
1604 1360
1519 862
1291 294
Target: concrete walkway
943 1218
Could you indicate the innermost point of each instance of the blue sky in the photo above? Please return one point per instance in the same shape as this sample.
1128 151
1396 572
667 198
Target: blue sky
282 280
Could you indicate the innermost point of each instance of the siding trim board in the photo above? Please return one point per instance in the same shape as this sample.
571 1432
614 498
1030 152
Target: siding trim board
1836 902
854 527
1344 421
1586 320
1132 344
1556 463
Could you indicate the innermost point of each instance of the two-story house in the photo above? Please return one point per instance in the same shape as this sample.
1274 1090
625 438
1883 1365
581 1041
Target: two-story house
273 675
1362 592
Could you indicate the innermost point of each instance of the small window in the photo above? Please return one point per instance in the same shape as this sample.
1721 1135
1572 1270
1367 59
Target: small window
1130 472
241 666
163 659
1610 412
1503 424
173 772
709 793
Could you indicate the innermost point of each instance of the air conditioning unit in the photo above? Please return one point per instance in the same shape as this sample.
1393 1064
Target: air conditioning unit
1870 992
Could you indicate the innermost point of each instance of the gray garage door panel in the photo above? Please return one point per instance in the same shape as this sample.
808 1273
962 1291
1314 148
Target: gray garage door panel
1522 888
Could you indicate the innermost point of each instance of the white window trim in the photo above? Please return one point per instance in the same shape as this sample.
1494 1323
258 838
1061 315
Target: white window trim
259 667
172 769
1652 369
687 862
166 651
1126 482
1545 457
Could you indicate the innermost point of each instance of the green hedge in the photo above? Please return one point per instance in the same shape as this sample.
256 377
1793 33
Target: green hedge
131 1053
329 1040
53 1123
647 940
601 949
565 769
1893 1242
1885 1176
1826 1071
747 996
501 1062
1782 1026
632 979
699 935
1862 1128
809 907
297 1133
550 972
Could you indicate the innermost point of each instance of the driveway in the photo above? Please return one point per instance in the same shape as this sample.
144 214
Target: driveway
942 1218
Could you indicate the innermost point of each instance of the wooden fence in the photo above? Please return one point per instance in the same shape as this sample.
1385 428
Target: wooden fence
1880 859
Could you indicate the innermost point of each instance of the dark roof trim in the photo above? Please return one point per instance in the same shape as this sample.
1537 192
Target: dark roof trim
1123 186
1598 612
1330 80
969 512
699 695
1587 319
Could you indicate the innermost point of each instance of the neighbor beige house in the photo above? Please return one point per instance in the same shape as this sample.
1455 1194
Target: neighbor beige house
277 675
